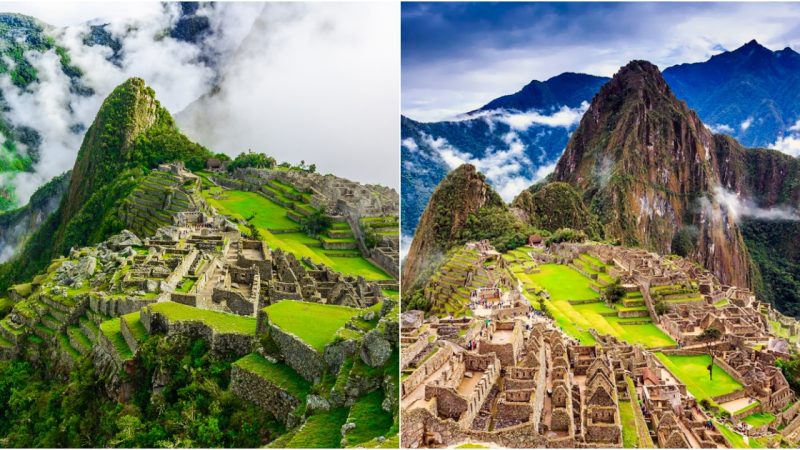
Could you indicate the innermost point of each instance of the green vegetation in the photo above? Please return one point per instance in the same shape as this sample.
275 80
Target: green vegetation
131 134
280 374
134 323
314 323
554 206
736 440
563 283
287 235
221 322
693 372
370 419
759 419
321 430
250 159
111 329
630 436
194 408
576 320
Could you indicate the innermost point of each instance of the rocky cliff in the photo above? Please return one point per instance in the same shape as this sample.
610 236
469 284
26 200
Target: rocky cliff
648 167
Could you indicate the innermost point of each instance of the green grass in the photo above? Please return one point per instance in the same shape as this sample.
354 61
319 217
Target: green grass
630 436
370 419
471 446
110 328
314 323
576 320
268 214
279 374
562 282
736 440
185 285
759 419
272 216
692 371
219 321
321 430
134 322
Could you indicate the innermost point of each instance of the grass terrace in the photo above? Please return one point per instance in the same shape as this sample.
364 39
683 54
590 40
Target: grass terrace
562 282
279 231
314 323
630 436
111 329
759 419
280 374
219 321
321 430
692 371
370 419
576 320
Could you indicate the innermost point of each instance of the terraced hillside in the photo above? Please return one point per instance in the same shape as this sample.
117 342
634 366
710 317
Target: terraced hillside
572 295
464 270
279 221
156 199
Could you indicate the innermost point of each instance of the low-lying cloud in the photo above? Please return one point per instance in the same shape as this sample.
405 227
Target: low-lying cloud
509 170
739 207
172 67
789 143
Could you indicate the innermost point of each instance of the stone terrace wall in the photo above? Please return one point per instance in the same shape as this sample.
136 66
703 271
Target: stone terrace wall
298 355
419 422
224 344
426 369
263 393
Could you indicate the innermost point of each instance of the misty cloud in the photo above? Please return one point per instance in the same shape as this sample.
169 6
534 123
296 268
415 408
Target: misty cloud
738 207
507 169
313 82
789 143
719 128
171 67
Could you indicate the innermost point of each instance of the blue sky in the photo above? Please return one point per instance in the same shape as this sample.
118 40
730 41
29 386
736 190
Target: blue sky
458 56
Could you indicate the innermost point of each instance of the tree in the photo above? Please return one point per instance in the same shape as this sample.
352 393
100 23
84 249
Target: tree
316 223
661 307
710 334
614 292
257 160
312 168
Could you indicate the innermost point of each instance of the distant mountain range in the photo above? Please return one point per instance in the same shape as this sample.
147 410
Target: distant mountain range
751 93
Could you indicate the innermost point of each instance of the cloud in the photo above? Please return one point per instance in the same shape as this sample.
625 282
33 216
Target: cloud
564 117
789 143
509 170
739 207
410 144
719 128
746 124
311 81
171 67
459 56
405 244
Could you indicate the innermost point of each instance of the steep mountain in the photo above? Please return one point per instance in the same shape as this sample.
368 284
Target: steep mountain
647 166
131 134
524 118
556 205
449 216
750 93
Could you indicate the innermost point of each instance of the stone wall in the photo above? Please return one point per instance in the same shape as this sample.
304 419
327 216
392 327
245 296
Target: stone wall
298 355
221 344
264 394
419 426
425 370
